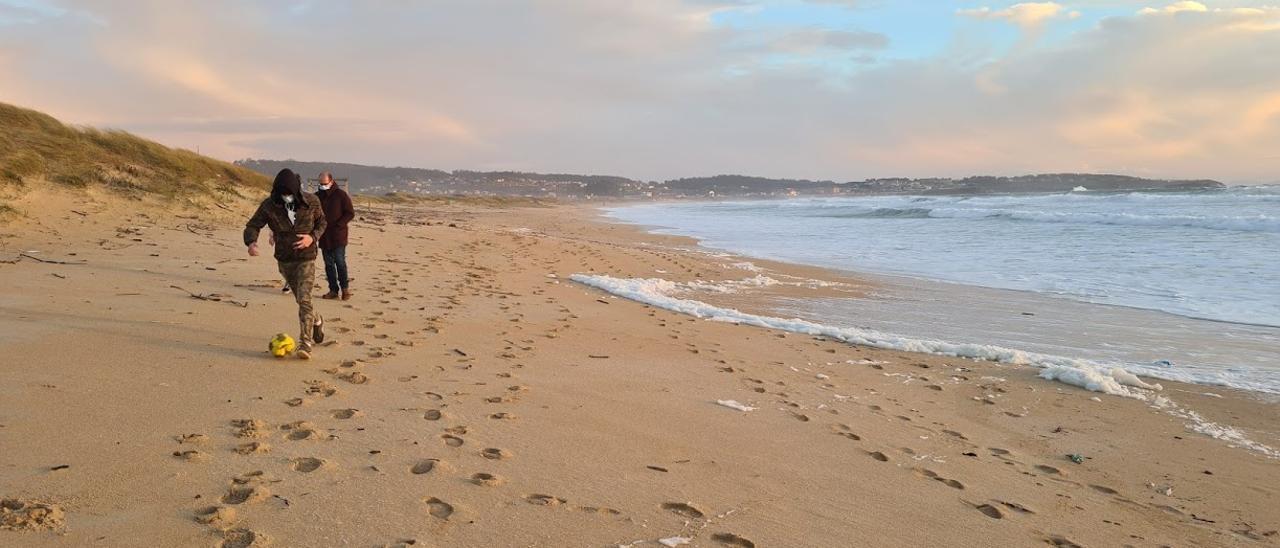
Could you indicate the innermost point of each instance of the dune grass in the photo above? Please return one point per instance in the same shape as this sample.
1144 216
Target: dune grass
37 147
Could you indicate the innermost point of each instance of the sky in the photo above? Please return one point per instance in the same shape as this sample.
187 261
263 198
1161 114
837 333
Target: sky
658 89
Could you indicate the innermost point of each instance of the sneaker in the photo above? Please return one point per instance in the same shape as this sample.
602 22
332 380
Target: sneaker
285 289
303 352
330 295
317 332
346 294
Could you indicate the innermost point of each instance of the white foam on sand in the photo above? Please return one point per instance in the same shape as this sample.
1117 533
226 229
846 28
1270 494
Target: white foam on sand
1087 374
1084 373
1197 423
733 404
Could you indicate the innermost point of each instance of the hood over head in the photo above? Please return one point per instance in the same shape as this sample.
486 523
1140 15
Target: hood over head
287 183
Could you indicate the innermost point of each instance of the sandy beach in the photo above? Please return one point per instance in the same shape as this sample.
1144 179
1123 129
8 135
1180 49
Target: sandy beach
472 395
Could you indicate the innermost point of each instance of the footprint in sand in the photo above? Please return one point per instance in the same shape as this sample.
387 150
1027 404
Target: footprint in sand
439 509
683 509
1104 489
346 413
502 416
925 472
300 434
486 479
433 415
243 538
250 477
597 510
191 455
451 441
216 516
1047 469
544 500
243 494
1015 507
252 447
730 539
249 428
307 464
424 466
194 439
320 388
990 511
1061 542
493 453
878 456
354 377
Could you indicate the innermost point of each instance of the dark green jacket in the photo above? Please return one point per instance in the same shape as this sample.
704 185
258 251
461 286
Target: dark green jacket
272 214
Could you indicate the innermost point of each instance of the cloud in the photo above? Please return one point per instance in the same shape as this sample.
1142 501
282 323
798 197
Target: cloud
1177 7
656 89
1025 15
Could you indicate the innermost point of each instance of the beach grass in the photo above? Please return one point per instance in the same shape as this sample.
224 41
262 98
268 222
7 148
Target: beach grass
36 146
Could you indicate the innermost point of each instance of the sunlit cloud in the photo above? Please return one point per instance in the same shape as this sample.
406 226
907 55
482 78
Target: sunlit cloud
1176 7
661 88
1026 15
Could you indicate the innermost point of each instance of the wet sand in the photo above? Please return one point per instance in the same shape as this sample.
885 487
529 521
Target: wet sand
471 395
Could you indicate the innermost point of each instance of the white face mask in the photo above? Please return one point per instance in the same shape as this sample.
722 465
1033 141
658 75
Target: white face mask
326 187
288 198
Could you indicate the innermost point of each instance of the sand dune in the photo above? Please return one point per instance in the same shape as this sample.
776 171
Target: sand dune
471 395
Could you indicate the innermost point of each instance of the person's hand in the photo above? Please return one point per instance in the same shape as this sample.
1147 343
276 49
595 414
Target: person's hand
253 249
304 241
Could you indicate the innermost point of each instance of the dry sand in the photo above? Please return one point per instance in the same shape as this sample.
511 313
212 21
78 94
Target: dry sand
467 398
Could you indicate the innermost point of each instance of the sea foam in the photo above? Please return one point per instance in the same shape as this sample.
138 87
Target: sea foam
1084 373
1087 374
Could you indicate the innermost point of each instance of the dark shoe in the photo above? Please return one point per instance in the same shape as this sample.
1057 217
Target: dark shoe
303 352
346 294
317 331
285 289
330 295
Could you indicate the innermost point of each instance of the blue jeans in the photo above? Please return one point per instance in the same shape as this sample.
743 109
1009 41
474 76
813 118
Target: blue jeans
335 268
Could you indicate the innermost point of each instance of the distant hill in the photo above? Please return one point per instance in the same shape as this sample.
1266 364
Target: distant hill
380 180
36 147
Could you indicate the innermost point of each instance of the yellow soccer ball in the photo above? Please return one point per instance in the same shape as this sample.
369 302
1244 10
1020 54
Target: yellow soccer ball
281 345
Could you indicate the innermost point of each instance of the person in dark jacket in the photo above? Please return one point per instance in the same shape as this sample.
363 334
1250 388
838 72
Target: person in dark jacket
333 244
297 222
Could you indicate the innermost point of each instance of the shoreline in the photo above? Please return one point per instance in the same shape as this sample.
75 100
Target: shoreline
472 394
1162 326
758 305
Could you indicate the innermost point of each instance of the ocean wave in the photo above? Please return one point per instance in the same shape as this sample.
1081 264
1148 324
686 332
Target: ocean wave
1244 223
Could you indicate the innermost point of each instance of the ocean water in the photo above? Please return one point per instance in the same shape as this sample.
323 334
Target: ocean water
1188 278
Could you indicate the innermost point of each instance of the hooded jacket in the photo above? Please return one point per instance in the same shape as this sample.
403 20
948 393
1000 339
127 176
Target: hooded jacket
274 214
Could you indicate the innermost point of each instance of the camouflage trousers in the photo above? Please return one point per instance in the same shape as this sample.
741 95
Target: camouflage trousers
301 276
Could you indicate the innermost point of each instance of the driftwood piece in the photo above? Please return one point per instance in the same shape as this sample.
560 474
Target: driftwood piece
22 256
212 297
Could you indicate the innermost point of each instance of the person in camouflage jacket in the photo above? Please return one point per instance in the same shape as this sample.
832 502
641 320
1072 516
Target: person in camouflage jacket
296 220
